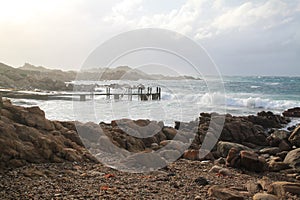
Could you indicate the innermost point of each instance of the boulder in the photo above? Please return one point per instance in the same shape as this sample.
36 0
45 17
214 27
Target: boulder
169 132
293 158
224 147
223 193
36 139
295 137
277 166
270 150
252 162
280 188
293 112
245 159
284 146
264 196
192 154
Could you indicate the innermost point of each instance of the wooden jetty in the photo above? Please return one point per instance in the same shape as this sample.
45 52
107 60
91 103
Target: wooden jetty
142 95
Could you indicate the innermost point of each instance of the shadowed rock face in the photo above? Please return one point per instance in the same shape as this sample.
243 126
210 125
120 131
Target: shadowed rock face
26 136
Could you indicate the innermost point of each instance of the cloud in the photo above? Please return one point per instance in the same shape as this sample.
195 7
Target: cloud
63 33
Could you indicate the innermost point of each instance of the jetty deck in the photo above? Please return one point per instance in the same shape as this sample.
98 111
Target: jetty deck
142 95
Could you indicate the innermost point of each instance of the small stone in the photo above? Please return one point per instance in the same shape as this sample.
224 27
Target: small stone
220 161
225 193
215 169
253 187
264 196
201 181
264 183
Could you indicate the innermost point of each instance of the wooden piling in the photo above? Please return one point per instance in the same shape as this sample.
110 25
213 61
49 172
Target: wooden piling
82 97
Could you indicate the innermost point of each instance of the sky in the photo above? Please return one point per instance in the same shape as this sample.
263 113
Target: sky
258 37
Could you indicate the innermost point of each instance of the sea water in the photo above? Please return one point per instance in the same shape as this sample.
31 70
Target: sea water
181 100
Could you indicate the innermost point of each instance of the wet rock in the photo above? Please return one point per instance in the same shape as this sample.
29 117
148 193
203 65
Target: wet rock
280 188
239 130
224 193
224 147
264 196
293 158
293 112
268 120
294 138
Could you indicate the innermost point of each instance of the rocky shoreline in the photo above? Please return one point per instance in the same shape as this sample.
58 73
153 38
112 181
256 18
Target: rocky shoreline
253 158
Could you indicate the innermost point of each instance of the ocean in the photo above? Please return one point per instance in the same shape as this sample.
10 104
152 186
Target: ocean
181 100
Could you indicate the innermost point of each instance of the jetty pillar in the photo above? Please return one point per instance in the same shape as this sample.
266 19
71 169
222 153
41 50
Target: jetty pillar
107 93
82 97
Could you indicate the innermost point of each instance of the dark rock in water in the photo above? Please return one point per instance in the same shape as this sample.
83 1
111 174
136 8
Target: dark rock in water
293 112
293 158
295 137
201 181
268 120
245 159
243 129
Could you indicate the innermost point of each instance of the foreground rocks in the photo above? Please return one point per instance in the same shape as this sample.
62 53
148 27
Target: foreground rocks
179 180
26 136
38 155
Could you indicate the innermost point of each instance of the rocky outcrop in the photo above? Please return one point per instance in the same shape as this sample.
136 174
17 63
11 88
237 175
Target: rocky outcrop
26 136
293 158
293 112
